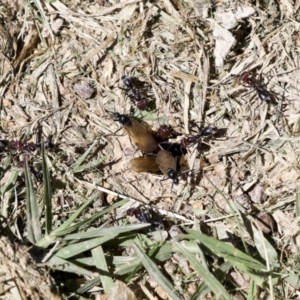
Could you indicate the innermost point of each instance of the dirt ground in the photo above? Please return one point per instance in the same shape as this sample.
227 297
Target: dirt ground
61 69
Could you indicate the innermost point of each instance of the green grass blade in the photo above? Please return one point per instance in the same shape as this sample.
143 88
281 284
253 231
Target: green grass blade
214 285
75 215
68 228
238 258
264 247
252 291
298 207
90 165
90 220
159 254
75 249
32 209
104 231
10 183
49 239
82 158
220 274
6 192
66 266
89 285
155 272
100 262
47 191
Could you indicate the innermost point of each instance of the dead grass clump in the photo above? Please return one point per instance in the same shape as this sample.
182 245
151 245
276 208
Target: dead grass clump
20 277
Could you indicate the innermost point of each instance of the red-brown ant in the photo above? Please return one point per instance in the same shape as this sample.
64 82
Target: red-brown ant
22 147
135 94
208 131
262 93
166 132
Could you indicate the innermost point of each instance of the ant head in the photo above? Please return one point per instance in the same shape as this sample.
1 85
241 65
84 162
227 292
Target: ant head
172 174
244 76
131 211
184 143
123 119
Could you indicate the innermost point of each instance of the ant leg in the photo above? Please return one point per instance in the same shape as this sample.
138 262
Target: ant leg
248 103
243 96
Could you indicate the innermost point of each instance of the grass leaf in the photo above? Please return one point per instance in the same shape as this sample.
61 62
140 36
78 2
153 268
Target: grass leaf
75 249
104 231
32 209
156 273
47 191
238 258
214 285
264 247
100 262
67 266
89 165
82 158
298 207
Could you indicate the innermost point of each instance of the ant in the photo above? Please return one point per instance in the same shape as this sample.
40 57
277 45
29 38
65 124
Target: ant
262 93
22 147
139 133
166 132
208 131
18 146
167 164
135 94
146 215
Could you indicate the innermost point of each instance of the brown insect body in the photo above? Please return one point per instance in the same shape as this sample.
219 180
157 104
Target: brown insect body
167 165
144 164
140 135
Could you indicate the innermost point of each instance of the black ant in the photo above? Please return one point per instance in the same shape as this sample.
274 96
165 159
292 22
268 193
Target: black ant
135 94
208 131
146 215
262 93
